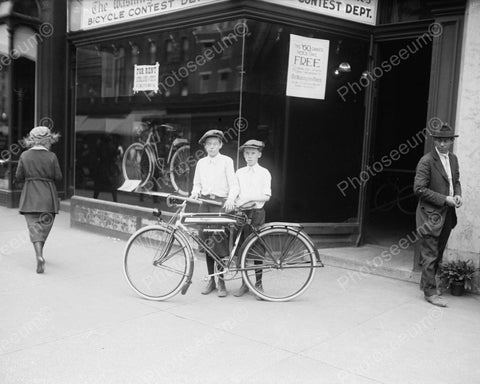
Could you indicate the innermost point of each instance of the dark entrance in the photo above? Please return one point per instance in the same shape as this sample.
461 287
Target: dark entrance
401 101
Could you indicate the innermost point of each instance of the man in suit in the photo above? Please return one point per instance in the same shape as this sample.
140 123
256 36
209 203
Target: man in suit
437 185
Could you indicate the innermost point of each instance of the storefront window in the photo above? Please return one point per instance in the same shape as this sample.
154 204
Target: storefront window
4 166
312 144
153 136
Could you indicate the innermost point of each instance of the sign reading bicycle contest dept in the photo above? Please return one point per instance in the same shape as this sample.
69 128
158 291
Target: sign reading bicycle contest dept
146 78
307 67
88 14
360 11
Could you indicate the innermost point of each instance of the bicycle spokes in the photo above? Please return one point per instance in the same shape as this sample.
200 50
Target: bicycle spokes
279 260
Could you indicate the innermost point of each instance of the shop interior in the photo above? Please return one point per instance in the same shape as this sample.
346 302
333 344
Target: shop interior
401 101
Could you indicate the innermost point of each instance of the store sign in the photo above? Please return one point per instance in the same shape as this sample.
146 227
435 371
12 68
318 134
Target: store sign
88 14
360 11
307 67
146 78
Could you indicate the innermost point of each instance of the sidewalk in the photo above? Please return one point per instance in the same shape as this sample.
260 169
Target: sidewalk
81 323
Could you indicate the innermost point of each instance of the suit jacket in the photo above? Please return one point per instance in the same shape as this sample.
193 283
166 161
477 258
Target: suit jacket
39 169
432 187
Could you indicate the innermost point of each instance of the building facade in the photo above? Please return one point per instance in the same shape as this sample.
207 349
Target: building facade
342 160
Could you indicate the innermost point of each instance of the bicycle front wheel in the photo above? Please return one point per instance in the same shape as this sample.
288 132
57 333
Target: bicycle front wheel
138 163
180 170
157 262
279 263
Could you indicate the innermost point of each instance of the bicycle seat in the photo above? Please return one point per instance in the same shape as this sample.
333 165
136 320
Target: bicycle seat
168 127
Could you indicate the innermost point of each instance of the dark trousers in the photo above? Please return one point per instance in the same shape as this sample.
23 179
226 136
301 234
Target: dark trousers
218 242
431 253
257 217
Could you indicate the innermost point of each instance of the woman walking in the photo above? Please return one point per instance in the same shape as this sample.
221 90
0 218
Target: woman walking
39 169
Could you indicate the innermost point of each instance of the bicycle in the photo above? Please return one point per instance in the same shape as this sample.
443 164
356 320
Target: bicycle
141 159
392 194
158 259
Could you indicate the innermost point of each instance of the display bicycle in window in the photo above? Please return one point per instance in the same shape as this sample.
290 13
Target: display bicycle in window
159 158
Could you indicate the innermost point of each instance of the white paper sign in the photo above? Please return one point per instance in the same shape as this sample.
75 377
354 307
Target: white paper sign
146 78
88 14
360 11
307 67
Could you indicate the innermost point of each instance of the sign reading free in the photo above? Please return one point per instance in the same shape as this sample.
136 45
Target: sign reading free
360 11
88 14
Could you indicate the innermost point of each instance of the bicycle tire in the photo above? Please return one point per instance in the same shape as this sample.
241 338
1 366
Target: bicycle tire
151 270
385 198
407 202
180 170
286 259
138 163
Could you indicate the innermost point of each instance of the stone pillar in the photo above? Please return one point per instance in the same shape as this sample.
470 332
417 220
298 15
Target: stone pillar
465 238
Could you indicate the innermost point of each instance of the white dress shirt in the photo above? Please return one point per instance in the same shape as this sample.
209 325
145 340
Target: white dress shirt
253 181
446 165
215 176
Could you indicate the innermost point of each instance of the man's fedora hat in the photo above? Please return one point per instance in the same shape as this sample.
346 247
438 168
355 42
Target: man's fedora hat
445 131
211 133
255 144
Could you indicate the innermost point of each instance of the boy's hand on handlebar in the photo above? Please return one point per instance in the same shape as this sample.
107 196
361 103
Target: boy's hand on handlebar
194 196
229 205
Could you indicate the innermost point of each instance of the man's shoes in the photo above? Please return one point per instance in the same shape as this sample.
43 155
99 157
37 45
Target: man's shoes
436 300
222 291
241 291
209 288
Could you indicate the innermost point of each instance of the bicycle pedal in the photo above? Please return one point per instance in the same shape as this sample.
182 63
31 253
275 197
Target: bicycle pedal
185 287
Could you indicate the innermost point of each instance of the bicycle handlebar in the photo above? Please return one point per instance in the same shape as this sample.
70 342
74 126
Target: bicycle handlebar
171 198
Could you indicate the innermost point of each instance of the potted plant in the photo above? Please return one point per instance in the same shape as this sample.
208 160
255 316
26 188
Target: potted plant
457 275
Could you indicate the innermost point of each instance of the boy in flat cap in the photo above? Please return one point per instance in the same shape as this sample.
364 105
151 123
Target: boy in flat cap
437 184
255 189
215 179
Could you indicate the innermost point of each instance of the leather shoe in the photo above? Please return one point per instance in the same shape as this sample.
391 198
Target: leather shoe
222 291
436 300
241 291
209 288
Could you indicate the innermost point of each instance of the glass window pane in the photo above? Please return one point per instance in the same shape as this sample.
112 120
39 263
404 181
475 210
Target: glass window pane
311 145
146 135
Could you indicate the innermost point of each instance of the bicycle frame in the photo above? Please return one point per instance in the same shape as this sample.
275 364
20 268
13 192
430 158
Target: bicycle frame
177 224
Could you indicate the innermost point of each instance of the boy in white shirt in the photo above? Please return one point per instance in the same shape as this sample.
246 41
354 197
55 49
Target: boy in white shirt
215 180
255 189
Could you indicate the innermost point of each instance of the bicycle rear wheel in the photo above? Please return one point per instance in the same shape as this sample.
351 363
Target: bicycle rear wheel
180 170
407 201
157 262
279 263
138 163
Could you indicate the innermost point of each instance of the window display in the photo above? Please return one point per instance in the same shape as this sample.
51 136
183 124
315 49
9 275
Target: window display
230 76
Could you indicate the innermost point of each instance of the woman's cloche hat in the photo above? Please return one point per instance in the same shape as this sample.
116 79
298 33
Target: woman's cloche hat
40 132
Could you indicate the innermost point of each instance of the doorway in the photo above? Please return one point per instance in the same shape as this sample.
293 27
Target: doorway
398 140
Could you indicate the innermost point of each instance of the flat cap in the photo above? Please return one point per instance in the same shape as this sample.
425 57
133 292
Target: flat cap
211 133
255 144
